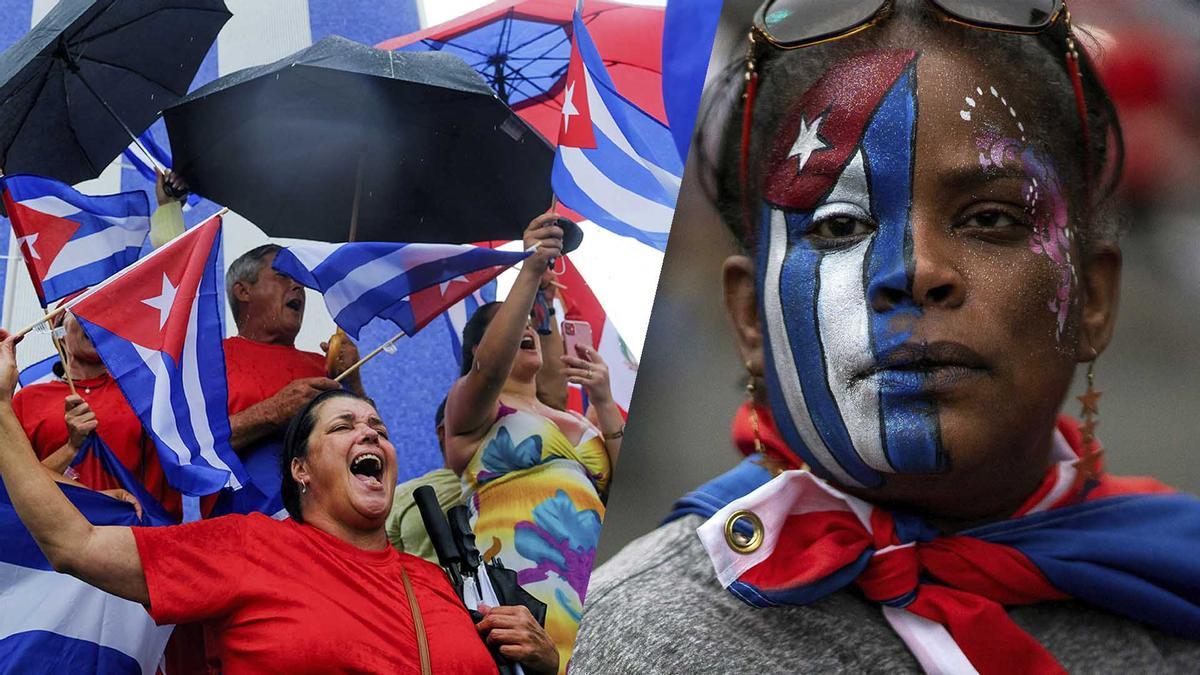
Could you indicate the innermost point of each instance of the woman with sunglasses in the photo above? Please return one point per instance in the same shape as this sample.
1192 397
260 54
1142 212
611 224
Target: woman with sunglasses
920 191
535 477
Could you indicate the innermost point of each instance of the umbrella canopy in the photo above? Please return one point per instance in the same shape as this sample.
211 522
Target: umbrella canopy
416 144
94 72
522 48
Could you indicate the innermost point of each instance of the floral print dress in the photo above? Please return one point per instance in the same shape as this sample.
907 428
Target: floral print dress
537 504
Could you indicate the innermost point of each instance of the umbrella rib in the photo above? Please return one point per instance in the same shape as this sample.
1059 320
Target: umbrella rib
558 26
468 49
108 31
135 72
74 132
29 110
562 26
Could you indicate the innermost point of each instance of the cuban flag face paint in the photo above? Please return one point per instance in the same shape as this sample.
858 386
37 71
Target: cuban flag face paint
835 270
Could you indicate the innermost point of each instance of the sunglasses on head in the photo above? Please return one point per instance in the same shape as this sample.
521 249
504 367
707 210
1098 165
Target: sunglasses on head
792 24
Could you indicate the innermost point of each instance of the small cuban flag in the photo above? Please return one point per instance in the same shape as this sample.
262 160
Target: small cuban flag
71 240
158 328
615 164
410 284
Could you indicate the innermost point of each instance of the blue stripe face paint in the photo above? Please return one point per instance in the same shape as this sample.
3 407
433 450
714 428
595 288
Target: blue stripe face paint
835 265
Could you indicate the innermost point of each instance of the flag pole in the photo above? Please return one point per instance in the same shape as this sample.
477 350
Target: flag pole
368 357
339 336
88 293
66 362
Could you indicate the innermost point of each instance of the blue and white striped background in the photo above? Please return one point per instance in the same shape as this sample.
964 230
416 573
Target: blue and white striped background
407 385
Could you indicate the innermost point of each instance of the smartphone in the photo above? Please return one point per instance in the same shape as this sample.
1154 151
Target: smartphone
576 333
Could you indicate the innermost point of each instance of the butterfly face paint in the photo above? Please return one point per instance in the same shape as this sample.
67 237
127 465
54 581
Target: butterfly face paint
835 273
1001 141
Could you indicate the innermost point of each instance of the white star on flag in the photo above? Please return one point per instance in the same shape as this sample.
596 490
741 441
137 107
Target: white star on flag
446 284
569 109
807 142
28 241
163 302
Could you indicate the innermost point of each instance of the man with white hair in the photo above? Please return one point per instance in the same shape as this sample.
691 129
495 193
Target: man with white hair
270 380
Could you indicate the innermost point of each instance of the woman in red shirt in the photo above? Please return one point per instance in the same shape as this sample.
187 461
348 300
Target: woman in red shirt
322 591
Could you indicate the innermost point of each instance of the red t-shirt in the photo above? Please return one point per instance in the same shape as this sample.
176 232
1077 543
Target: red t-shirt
39 407
278 596
257 371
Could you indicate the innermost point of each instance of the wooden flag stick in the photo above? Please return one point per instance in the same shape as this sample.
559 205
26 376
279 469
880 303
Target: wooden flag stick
368 357
88 293
66 362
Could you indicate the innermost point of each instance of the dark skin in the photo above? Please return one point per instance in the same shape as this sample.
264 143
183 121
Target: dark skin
980 284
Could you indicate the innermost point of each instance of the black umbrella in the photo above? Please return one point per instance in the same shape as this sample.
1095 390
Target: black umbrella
410 147
94 73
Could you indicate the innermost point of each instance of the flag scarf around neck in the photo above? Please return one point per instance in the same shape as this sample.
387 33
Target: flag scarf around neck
615 164
409 284
158 328
1125 545
71 240
55 623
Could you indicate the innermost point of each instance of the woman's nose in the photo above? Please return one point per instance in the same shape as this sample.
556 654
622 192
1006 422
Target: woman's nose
368 435
926 278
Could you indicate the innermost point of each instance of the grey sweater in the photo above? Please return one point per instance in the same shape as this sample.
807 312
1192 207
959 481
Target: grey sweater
657 607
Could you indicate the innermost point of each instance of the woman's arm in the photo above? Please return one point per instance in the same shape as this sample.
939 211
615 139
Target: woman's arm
81 421
586 368
551 382
471 403
60 459
105 557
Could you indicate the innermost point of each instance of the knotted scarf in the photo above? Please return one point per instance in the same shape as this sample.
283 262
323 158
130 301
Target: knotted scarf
1126 545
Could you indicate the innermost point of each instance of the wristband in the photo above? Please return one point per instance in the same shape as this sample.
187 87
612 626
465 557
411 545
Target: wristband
616 434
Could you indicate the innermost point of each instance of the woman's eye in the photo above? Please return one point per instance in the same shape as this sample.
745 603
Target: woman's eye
990 220
993 220
840 227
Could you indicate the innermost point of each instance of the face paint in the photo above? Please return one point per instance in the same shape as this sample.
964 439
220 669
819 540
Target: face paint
836 301
1043 194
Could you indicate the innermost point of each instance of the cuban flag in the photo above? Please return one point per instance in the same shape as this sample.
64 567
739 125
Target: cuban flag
71 240
158 327
581 304
410 284
36 373
457 316
615 164
55 623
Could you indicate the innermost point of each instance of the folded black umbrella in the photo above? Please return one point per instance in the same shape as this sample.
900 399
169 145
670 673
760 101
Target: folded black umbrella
416 146
92 74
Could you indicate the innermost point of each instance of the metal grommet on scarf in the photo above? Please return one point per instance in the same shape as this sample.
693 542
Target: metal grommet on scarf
736 536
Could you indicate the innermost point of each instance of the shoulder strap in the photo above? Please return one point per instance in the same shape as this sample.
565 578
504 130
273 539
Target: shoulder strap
418 624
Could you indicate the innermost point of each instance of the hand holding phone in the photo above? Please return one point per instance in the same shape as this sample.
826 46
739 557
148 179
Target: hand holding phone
575 333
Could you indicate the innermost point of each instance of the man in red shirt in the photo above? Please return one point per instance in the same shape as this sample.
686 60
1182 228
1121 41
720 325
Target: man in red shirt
98 406
269 379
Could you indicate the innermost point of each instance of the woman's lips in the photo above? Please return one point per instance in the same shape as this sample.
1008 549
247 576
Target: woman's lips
920 368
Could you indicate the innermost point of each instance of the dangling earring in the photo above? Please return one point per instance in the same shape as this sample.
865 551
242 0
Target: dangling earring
750 391
303 487
1091 408
1088 466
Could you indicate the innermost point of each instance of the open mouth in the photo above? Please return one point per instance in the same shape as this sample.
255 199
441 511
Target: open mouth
368 468
295 304
528 343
